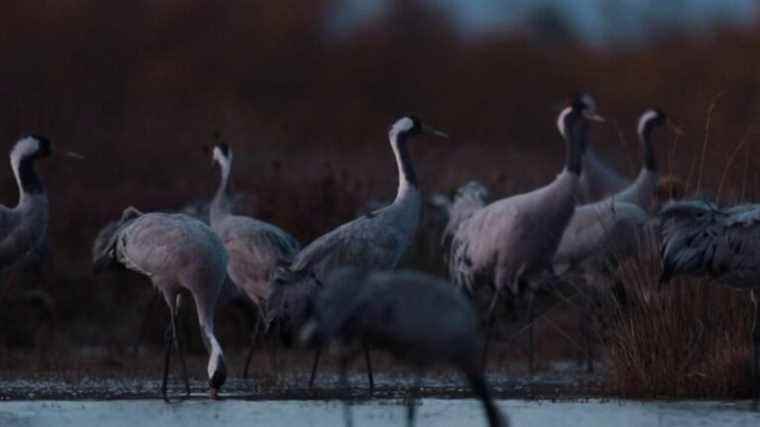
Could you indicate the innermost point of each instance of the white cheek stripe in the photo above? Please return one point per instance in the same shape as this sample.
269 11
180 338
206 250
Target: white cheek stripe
561 121
216 354
404 124
648 116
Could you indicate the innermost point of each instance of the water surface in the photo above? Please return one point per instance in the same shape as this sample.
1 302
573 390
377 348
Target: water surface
382 412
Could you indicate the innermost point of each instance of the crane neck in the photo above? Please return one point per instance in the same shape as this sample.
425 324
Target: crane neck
222 203
407 179
29 183
575 142
645 139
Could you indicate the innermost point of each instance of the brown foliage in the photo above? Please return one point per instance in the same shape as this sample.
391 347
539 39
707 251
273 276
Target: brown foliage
138 87
688 338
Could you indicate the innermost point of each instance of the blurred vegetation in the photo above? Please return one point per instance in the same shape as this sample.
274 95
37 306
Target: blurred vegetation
139 87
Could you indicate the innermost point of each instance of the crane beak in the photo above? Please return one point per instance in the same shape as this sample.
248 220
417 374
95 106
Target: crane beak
73 155
593 116
675 128
432 131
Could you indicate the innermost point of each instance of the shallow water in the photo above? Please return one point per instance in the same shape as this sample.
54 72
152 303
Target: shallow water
430 412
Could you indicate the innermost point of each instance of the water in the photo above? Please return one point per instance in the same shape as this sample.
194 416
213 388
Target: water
431 412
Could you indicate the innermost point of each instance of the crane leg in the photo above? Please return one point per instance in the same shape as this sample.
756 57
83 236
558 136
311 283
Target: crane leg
587 333
411 401
314 366
581 355
347 400
490 319
274 349
368 362
254 335
168 346
531 348
180 350
479 386
755 345
144 324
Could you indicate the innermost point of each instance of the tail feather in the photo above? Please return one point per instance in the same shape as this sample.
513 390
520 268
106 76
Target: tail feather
687 242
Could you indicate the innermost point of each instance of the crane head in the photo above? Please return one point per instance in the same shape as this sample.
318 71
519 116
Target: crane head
655 117
411 125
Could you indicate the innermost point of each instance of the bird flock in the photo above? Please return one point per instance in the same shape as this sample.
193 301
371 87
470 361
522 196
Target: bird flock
344 287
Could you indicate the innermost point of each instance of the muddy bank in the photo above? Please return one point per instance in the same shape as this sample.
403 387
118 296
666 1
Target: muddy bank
564 383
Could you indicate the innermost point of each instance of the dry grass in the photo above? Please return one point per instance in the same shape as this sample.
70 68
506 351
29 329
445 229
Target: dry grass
688 338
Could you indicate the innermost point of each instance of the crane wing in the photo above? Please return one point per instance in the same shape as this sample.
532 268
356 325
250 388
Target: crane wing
699 238
363 242
257 248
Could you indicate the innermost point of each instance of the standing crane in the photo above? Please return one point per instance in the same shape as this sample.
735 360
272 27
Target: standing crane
508 243
23 228
376 240
600 180
255 247
178 253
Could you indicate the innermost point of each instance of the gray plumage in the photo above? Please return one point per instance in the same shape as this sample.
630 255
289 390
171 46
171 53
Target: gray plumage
376 240
425 251
401 312
201 208
600 180
701 239
176 252
515 238
255 247
606 227
597 180
642 190
469 198
511 242
23 228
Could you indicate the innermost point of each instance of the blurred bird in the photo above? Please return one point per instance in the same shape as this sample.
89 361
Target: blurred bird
400 312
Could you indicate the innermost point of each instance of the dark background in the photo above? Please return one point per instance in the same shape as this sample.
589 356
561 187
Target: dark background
138 87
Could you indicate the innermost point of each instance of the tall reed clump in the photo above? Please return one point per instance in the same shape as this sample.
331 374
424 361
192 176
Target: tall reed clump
689 338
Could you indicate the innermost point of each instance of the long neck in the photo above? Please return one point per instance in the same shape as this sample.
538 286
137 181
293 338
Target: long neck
407 180
645 138
222 205
26 177
574 142
217 370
